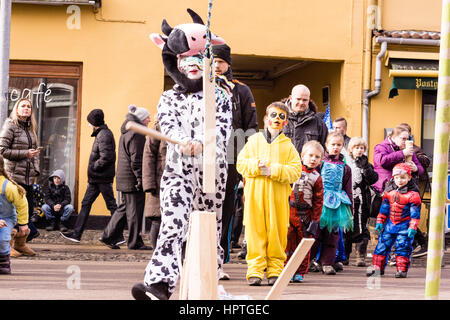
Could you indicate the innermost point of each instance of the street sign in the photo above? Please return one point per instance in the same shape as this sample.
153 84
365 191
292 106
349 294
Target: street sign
448 187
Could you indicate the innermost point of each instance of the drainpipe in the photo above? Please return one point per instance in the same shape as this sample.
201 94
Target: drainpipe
369 94
5 30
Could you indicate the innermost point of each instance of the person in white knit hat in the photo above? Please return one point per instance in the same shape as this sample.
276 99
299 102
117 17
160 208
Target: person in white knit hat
129 183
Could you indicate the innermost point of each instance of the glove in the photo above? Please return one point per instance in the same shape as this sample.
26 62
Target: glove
379 227
411 233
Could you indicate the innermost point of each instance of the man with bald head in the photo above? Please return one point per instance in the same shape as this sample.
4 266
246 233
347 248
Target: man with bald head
304 124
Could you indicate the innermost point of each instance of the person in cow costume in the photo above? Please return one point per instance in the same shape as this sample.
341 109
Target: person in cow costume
181 116
401 208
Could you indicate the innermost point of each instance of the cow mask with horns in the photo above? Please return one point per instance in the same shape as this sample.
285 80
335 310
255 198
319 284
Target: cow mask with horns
183 40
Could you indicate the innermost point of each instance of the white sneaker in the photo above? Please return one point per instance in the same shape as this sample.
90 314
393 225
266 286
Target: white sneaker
223 276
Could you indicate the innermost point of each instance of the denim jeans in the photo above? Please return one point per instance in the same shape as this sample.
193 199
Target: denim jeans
64 213
7 213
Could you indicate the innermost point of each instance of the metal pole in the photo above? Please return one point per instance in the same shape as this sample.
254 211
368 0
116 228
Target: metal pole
440 162
5 29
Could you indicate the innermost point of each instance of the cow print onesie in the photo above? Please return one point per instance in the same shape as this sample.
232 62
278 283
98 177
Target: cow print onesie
181 117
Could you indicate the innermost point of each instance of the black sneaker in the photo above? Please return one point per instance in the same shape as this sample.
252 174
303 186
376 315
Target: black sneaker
254 281
31 236
338 266
374 271
109 244
401 274
419 252
155 291
315 267
63 227
120 241
70 235
271 281
51 225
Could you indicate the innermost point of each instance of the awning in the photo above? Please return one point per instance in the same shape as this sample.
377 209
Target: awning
415 83
413 74
95 3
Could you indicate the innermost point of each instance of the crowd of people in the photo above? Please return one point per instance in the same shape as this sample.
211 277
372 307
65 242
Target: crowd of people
295 178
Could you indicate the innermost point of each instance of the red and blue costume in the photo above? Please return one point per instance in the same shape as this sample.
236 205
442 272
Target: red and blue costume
401 208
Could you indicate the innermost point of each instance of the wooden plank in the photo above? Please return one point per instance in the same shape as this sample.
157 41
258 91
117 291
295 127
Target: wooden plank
290 268
199 276
209 128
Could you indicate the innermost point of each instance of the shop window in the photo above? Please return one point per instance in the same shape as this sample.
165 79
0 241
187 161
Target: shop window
429 99
54 91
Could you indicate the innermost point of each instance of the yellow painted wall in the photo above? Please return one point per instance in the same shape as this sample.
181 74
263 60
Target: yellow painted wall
411 15
122 66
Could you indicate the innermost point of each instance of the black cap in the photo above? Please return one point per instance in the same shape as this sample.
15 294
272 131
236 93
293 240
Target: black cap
222 51
96 117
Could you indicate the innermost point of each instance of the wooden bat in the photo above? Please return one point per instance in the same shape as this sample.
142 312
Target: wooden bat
290 268
139 128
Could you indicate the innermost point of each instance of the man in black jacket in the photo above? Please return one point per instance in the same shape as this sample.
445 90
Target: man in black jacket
101 172
304 123
245 123
129 183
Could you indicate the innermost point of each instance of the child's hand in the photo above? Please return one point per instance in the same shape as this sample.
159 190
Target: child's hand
22 230
379 227
413 166
265 170
3 223
191 148
411 233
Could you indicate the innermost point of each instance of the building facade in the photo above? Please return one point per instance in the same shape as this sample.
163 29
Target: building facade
79 55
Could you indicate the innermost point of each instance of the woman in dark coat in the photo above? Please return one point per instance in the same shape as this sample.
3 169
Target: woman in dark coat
19 148
153 163
129 183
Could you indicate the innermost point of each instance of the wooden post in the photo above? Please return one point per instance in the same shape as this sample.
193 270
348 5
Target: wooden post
199 276
209 128
440 162
289 270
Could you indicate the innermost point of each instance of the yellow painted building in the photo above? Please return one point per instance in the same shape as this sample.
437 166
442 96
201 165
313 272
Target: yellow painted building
75 57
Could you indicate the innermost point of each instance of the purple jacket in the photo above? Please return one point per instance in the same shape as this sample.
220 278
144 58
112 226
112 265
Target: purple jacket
386 155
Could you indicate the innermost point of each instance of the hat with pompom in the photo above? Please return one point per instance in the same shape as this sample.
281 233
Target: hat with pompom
140 113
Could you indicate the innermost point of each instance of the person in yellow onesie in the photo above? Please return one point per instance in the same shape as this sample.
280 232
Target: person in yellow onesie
269 164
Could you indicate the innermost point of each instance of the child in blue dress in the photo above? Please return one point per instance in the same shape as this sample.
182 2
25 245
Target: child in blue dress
337 209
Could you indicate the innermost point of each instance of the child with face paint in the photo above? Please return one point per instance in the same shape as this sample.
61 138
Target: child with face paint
269 164
401 208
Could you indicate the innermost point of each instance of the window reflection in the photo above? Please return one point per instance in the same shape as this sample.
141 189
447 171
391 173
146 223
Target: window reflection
55 102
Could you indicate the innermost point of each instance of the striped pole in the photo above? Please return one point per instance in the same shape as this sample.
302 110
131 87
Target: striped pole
440 161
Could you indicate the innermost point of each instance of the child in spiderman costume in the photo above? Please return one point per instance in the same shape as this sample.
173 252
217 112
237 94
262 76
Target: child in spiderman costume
401 208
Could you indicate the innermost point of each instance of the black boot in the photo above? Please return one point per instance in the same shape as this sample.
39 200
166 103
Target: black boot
155 291
5 265
51 225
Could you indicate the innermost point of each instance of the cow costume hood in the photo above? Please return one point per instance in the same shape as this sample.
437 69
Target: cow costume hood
183 40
